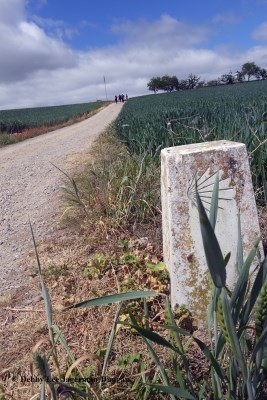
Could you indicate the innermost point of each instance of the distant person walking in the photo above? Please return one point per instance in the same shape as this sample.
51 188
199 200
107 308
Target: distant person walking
126 97
116 99
119 97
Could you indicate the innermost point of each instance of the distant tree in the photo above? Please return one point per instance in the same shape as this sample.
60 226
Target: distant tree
201 84
227 79
261 73
239 76
192 81
213 82
183 85
154 84
168 83
250 69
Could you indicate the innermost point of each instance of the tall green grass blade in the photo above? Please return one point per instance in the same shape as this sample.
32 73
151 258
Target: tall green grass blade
233 338
177 331
215 384
154 356
256 288
177 372
155 337
181 393
238 295
211 358
48 305
43 367
212 249
159 365
110 341
261 344
63 342
202 391
214 202
113 298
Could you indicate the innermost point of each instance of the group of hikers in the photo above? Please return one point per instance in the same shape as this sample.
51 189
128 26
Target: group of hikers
121 98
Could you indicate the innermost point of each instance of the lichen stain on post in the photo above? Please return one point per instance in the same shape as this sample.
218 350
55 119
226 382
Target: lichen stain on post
182 241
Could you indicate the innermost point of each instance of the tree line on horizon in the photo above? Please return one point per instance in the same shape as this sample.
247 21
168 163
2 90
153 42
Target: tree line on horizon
168 83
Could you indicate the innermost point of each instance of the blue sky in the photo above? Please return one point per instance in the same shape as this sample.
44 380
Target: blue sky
57 52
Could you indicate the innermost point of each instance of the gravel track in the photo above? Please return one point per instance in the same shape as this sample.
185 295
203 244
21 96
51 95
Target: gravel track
28 184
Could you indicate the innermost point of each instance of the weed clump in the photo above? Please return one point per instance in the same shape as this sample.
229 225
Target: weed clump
115 187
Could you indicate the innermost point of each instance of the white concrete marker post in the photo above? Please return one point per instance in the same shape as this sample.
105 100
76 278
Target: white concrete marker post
182 242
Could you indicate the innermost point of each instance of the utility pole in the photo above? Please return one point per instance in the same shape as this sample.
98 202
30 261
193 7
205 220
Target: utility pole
105 87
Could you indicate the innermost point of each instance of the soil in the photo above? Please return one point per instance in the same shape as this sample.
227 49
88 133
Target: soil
29 189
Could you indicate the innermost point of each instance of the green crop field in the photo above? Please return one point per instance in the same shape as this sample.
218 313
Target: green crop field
19 120
234 112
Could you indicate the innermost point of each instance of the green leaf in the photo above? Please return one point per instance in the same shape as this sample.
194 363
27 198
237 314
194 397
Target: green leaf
155 337
113 298
156 267
212 249
183 394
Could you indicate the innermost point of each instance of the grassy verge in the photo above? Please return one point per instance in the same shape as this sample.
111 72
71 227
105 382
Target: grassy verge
115 189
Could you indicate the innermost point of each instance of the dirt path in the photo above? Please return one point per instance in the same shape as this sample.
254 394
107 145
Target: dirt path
28 186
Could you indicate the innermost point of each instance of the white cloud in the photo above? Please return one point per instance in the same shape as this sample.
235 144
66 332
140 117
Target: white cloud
226 18
260 33
24 46
166 31
55 28
11 12
37 69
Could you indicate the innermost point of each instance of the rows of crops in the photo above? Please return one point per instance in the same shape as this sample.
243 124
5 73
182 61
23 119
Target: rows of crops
21 119
233 112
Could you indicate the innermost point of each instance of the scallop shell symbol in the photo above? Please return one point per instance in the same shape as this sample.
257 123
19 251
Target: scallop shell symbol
204 184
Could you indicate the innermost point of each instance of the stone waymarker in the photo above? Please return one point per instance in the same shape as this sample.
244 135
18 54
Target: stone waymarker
182 242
